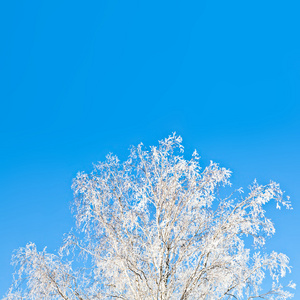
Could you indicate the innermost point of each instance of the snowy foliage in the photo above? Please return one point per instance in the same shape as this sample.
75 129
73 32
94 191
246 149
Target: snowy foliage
156 227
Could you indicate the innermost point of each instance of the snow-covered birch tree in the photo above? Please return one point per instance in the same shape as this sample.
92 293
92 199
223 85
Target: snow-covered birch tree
158 226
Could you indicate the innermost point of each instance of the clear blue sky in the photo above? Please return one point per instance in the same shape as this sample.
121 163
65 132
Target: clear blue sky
82 78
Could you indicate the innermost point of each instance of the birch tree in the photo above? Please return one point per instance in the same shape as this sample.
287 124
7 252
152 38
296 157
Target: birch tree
158 226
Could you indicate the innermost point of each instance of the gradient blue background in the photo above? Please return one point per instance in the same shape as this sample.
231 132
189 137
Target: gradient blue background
79 79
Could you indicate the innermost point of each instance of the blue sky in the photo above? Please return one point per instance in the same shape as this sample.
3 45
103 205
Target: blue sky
80 79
